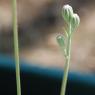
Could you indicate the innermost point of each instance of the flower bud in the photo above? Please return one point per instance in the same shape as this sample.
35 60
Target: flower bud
60 40
67 13
75 21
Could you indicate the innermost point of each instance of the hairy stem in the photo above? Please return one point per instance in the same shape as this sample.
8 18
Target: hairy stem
16 46
67 63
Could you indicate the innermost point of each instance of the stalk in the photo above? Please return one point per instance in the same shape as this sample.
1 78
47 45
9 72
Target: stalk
16 46
67 64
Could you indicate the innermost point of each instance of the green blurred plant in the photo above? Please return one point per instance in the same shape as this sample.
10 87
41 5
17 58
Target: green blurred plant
16 46
72 21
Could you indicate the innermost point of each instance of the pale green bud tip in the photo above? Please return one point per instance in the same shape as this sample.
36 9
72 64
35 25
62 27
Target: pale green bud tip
75 20
67 12
60 40
67 7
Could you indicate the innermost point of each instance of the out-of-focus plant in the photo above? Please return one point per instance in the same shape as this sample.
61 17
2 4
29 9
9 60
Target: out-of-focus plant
16 46
72 21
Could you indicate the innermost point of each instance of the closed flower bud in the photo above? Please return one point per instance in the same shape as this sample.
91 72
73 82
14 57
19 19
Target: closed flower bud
67 13
75 21
60 40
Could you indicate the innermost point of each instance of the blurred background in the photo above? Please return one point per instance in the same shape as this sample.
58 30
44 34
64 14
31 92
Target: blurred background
40 22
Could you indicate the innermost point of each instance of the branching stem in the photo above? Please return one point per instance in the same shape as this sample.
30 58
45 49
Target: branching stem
67 63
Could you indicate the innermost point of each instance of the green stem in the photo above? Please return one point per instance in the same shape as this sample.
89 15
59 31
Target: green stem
67 63
16 46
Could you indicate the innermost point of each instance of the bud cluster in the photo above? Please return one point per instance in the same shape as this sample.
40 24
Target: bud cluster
70 17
